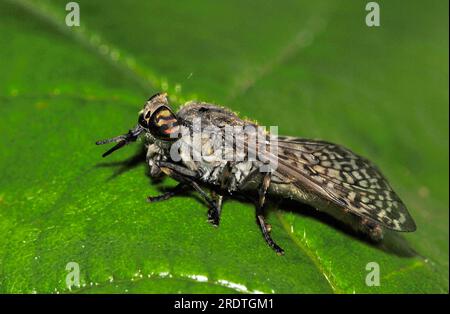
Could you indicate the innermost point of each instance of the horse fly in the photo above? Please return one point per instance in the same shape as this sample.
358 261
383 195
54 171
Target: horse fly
208 146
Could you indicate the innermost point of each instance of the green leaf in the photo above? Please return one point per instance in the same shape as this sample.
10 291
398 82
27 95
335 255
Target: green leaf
312 68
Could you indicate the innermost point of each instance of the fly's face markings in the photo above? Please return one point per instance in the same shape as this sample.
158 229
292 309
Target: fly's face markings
207 146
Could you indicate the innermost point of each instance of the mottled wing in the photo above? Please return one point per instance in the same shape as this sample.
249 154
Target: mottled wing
344 178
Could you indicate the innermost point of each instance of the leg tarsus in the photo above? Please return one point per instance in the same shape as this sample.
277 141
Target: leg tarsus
165 196
213 217
262 224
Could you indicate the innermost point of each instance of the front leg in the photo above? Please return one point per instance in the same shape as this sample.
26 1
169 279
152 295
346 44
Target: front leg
265 228
186 177
165 196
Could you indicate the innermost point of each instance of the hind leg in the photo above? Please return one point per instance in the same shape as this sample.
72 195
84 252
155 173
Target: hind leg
373 230
265 227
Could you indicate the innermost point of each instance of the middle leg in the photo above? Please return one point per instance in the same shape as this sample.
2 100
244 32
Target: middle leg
214 212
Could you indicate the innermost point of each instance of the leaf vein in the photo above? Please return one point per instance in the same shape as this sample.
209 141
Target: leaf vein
312 255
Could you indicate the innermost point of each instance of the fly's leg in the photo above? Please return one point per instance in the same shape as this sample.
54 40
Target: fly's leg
165 196
372 230
182 174
214 212
265 228
267 237
186 177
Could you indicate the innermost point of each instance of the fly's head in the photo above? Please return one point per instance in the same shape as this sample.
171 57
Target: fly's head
156 121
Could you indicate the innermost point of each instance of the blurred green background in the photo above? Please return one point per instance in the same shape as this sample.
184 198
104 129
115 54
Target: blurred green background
311 67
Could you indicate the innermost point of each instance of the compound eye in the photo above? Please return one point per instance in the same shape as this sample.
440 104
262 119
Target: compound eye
164 124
